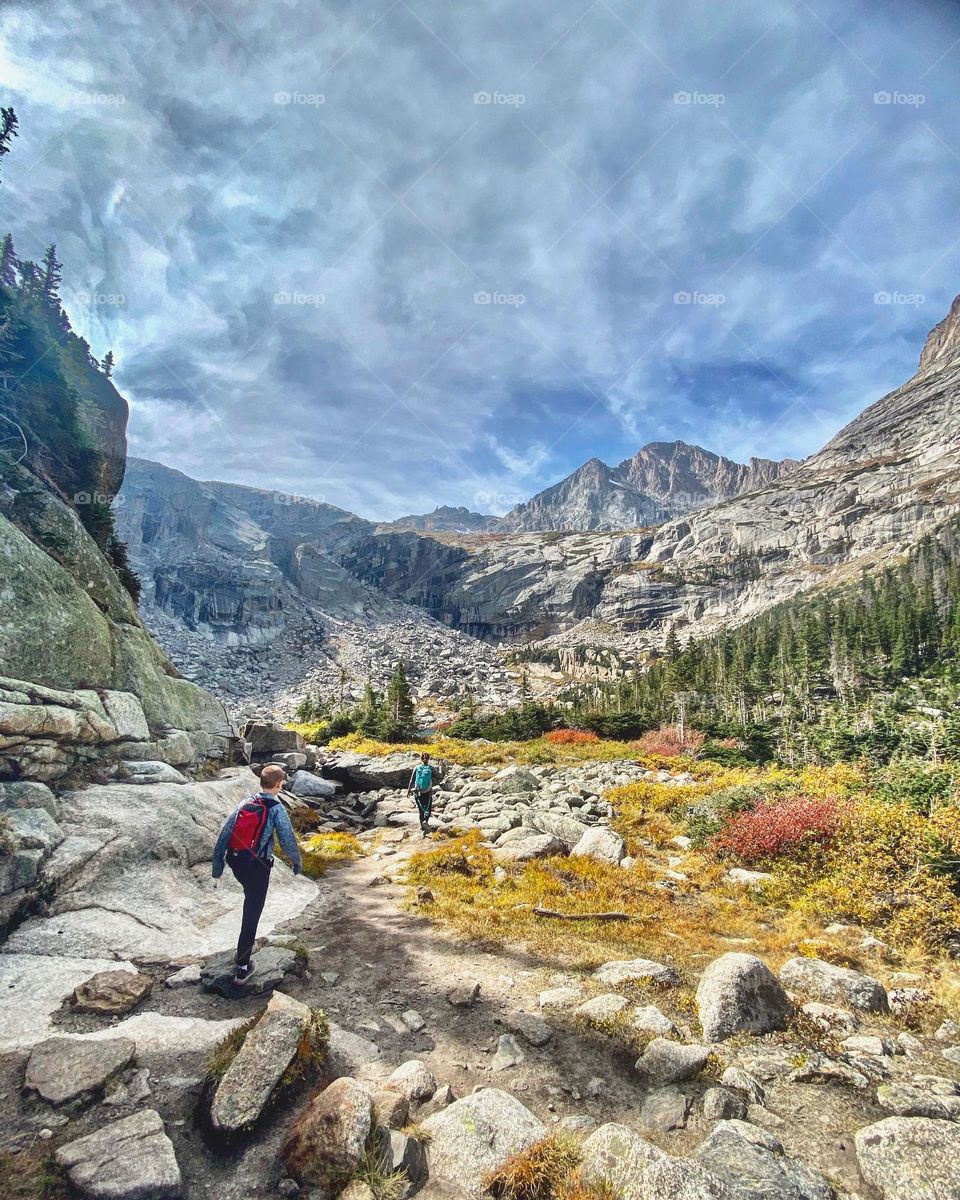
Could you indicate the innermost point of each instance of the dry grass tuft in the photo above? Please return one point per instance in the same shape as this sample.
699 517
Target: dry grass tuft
322 850
540 1172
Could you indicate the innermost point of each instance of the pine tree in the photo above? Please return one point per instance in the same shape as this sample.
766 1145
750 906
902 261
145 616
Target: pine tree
399 699
51 277
8 130
8 262
106 366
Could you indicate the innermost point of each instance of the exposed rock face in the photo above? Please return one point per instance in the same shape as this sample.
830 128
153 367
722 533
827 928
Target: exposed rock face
942 346
69 625
660 481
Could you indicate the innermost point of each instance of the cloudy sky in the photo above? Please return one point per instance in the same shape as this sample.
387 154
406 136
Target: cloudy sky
396 253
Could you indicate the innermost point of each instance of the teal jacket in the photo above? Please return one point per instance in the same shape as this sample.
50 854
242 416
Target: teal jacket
278 824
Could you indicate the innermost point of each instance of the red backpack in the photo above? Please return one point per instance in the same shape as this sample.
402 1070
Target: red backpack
248 826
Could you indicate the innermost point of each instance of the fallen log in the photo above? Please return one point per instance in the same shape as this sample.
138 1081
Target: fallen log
597 916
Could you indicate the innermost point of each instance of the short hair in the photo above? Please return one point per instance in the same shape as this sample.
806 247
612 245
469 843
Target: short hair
271 775
425 754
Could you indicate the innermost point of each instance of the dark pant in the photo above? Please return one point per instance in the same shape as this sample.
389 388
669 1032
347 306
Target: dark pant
253 875
424 804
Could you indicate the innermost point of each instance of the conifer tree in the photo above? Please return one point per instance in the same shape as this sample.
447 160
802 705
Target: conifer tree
399 699
8 130
8 262
52 273
106 366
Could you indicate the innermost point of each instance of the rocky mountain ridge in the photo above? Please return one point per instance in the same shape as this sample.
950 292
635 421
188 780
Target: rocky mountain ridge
660 481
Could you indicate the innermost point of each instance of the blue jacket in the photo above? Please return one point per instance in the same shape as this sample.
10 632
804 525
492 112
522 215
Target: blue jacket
277 823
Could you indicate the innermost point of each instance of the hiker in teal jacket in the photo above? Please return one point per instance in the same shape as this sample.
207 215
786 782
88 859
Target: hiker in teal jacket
421 784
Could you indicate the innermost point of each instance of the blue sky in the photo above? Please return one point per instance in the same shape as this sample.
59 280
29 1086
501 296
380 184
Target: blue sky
409 252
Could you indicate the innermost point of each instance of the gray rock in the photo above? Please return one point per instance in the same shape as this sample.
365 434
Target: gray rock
909 1100
664 1062
742 1081
813 977
330 1135
391 1110
602 844
829 1019
33 829
636 970
407 1155
464 995
664 1110
188 976
69 1071
911 1158
637 1170
348 1053
529 846
738 993
273 964
509 1054
304 783
722 1104
475 1136
565 829
150 771
651 1020
560 997
413 1021
603 1008
28 794
267 1051
532 1029
130 1159
753 1165
413 1080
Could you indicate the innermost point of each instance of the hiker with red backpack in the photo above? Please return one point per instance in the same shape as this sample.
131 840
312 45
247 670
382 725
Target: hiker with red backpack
246 844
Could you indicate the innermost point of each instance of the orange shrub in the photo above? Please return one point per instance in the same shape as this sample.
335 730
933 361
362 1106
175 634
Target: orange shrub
666 741
779 830
570 737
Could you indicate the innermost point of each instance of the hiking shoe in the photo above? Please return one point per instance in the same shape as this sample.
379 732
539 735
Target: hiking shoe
243 974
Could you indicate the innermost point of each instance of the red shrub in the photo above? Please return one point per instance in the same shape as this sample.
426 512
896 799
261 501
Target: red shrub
666 742
778 830
570 737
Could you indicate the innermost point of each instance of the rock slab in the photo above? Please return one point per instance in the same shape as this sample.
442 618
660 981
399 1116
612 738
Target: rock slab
911 1158
268 1049
131 1159
68 1071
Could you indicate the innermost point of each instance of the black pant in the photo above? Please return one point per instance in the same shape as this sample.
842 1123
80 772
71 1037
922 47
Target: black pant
424 804
253 875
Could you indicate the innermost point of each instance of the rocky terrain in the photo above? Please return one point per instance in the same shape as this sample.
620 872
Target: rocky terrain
372 1045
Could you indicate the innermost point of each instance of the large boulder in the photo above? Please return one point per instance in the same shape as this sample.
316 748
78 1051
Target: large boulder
474 1137
602 844
267 1051
367 773
738 993
305 783
267 739
637 1170
515 780
753 1165
911 1158
132 1159
69 1071
527 845
813 977
329 1137
565 829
